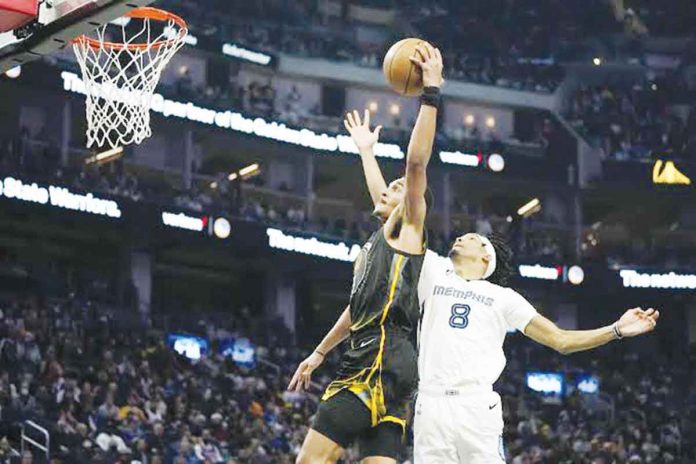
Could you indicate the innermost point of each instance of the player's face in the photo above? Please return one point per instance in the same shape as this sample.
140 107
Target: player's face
470 246
390 198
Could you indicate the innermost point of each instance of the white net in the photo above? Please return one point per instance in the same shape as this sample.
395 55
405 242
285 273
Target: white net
120 76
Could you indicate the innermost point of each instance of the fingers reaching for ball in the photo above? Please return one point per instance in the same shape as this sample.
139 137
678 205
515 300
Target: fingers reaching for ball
429 60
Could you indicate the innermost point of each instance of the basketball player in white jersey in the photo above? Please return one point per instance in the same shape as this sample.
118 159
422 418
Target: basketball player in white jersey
467 312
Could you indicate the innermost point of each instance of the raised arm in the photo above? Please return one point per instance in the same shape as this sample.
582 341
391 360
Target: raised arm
339 332
365 140
634 322
420 146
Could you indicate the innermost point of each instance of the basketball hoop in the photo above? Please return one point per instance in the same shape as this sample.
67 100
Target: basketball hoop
120 77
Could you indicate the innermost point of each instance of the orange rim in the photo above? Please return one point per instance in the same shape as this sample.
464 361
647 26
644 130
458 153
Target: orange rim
145 12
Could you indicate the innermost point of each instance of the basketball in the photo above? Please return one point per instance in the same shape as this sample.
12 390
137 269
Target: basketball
402 75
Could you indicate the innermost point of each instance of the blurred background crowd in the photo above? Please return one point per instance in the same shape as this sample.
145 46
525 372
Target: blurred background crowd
590 105
109 389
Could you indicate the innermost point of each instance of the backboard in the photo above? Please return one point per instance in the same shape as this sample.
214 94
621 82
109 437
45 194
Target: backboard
58 22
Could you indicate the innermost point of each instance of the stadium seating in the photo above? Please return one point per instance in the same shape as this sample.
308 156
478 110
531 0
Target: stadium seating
110 390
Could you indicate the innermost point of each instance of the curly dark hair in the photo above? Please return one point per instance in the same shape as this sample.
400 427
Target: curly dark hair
504 268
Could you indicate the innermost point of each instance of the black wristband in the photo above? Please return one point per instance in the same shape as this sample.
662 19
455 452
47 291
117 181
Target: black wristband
431 96
617 332
323 355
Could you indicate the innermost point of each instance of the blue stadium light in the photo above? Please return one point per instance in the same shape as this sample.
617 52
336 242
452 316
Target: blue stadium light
588 384
188 346
549 383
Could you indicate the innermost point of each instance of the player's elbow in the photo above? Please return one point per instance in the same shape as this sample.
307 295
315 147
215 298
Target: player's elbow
564 350
416 175
416 164
562 344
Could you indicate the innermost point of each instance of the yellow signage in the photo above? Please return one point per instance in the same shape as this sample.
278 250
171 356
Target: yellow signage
665 172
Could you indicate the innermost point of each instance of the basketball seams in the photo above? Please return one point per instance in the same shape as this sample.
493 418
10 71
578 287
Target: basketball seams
410 71
403 79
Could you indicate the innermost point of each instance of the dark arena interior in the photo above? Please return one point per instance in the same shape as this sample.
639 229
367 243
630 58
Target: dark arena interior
171 263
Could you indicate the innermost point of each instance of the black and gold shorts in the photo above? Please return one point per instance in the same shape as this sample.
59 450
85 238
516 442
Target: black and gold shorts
346 420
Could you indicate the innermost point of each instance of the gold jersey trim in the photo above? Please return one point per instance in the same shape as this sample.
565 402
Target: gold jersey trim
373 395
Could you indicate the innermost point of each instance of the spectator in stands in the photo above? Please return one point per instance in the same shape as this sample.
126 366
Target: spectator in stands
483 226
292 108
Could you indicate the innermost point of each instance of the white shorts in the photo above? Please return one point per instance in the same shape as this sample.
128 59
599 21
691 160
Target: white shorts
458 426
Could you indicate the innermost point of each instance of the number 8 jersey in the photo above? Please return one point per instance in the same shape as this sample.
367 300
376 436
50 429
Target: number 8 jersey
463 326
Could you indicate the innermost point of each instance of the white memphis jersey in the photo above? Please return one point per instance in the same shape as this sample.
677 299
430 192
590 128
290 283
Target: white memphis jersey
463 326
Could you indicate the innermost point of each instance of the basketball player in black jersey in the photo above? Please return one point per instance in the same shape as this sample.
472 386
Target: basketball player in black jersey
367 400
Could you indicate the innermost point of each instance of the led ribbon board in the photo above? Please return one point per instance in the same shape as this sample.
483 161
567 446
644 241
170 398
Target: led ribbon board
540 272
58 197
245 54
460 159
572 274
311 246
184 221
239 123
272 130
219 227
669 280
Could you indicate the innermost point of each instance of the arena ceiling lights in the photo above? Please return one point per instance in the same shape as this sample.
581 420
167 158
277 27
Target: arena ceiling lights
531 207
105 156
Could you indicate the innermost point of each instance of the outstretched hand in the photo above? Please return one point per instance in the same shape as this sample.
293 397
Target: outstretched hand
360 131
302 378
637 322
